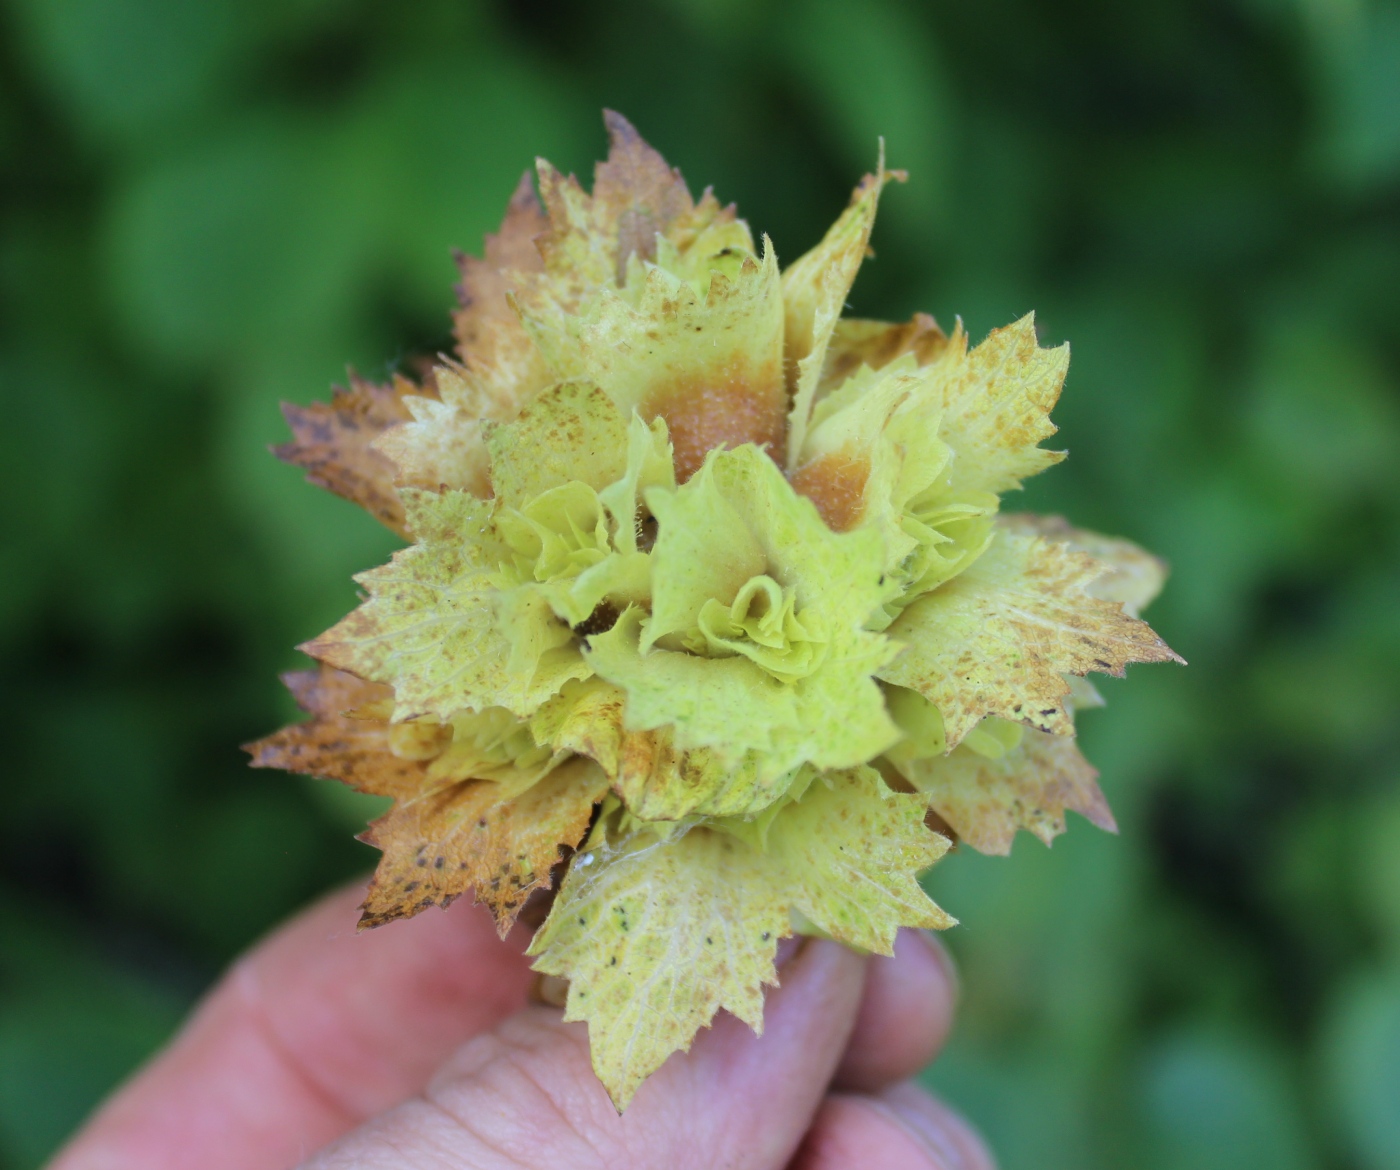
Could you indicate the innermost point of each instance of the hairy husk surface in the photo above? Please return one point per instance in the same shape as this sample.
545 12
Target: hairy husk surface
708 608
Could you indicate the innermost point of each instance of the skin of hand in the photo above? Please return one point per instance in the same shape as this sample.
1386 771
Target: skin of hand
416 1046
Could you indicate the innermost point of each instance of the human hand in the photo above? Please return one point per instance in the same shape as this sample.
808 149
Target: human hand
416 1047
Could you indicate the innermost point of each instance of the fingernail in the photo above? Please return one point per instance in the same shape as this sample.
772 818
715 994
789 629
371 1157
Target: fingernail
945 1136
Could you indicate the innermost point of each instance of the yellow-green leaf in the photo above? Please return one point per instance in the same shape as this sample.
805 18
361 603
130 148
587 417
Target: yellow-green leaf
655 935
996 403
756 633
711 365
1132 576
815 287
660 928
850 851
570 433
430 629
996 639
656 780
986 799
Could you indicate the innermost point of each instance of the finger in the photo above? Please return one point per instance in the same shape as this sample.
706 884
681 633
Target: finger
905 1014
525 1094
313 1031
902 1128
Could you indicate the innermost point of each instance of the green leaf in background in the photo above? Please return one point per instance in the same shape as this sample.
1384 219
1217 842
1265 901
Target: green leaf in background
1361 1062
258 233
874 72
122 68
1361 72
1216 1101
60 1054
1323 413
1378 865
72 1023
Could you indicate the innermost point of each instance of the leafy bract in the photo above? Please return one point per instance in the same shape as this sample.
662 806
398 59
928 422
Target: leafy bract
479 835
1132 576
655 935
756 632
659 928
989 406
659 300
710 363
874 344
500 368
815 288
639 212
987 795
479 612
919 450
996 401
872 447
873 458
566 475
572 434
656 780
637 200
441 444
700 564
996 639
491 342
477 803
849 852
334 442
430 629
337 744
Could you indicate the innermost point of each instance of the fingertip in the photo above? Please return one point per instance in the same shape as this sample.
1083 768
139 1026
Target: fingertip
784 1071
733 1098
903 1128
947 1136
905 1014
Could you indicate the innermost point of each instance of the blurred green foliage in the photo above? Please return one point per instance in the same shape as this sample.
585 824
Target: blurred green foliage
208 207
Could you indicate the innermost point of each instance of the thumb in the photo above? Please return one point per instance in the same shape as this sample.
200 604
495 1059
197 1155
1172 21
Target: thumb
524 1094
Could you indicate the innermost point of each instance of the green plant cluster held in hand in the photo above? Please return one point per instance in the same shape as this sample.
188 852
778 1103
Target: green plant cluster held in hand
709 615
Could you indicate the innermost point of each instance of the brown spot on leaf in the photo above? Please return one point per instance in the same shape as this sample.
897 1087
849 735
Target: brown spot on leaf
725 406
506 860
836 484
